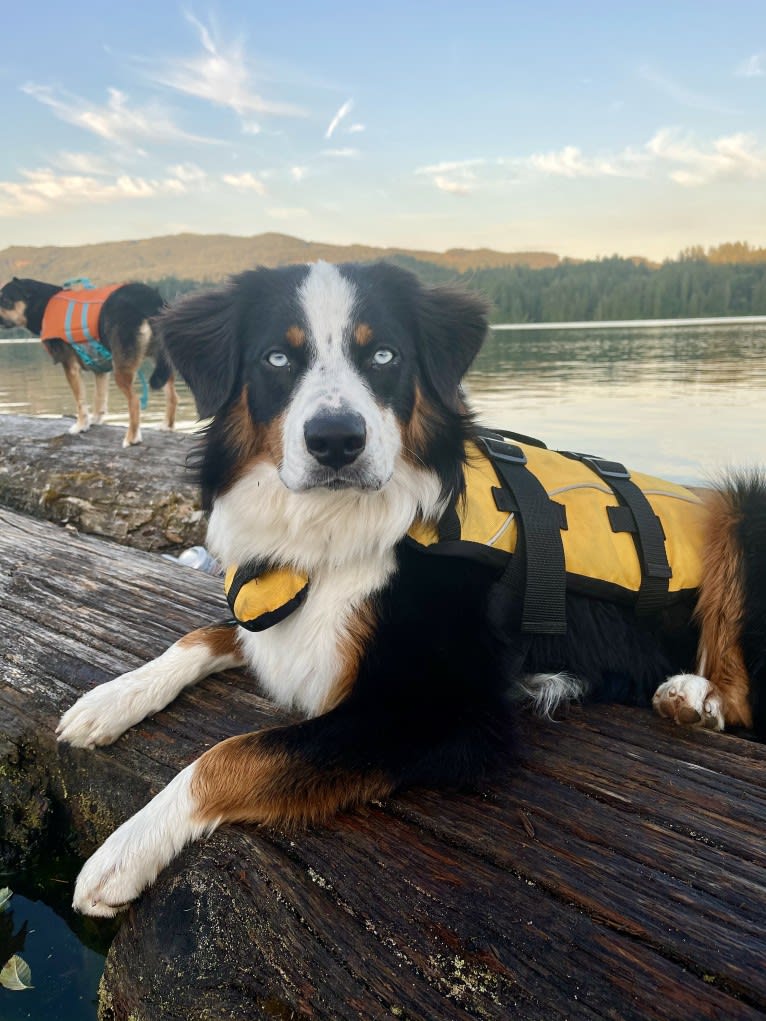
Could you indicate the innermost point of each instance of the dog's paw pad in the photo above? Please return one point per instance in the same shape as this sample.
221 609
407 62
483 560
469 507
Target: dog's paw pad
691 701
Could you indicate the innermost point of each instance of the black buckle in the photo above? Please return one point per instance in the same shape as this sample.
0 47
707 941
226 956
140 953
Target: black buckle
499 450
609 469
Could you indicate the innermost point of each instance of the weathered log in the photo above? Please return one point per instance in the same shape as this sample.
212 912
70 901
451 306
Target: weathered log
142 496
620 872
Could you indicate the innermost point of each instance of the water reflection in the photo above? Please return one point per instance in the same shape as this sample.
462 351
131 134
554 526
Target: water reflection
682 402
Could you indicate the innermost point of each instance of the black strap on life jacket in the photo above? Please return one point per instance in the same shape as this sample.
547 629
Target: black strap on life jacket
532 588
646 529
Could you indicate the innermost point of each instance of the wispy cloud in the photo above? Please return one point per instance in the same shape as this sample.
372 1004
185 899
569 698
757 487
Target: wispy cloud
753 67
245 182
223 75
683 95
41 190
116 121
298 173
457 177
668 154
343 154
344 111
729 157
571 162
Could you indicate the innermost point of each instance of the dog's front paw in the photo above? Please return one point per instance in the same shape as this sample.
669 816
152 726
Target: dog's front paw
130 859
101 715
110 879
691 701
134 440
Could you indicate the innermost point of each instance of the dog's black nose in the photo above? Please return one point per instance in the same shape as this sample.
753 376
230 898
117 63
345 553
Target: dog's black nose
335 439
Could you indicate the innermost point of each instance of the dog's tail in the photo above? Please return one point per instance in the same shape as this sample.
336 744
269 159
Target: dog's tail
747 493
163 371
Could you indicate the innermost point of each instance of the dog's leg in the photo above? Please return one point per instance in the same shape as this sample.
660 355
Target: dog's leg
107 711
123 377
289 776
102 397
171 403
73 374
717 695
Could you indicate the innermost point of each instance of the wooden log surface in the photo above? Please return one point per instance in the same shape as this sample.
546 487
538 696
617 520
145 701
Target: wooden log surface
619 872
142 496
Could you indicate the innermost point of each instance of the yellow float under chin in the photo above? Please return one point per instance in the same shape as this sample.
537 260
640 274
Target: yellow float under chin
261 596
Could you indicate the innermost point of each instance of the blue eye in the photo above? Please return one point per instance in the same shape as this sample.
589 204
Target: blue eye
383 356
278 359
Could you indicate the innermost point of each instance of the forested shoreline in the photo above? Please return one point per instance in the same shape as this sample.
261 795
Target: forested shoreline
600 289
689 287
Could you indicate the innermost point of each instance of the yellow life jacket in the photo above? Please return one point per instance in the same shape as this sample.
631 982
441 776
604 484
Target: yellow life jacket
597 557
599 539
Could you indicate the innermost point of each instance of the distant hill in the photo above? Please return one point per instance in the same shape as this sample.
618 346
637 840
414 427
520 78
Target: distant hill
212 257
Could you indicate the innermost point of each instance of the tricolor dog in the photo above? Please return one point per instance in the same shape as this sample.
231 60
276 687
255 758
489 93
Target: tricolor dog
96 330
369 593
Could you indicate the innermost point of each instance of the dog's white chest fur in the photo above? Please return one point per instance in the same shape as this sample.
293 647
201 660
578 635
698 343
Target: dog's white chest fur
344 542
300 660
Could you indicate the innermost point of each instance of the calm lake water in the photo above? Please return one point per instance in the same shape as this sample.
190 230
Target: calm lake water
682 402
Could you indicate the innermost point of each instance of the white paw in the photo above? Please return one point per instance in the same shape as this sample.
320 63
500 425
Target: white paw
79 427
105 712
130 859
690 700
127 442
98 419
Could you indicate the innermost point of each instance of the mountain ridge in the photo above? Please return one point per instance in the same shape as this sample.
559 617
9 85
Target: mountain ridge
212 257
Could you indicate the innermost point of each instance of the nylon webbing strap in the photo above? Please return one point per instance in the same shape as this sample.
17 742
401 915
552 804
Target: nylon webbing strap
533 585
648 536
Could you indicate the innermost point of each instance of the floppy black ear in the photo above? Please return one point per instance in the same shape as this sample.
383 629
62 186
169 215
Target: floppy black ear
453 325
199 334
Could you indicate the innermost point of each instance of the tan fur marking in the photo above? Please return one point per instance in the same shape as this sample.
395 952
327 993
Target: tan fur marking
720 611
352 649
252 779
251 443
363 334
219 640
295 336
423 425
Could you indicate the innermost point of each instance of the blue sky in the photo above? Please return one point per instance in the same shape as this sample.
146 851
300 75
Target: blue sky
584 129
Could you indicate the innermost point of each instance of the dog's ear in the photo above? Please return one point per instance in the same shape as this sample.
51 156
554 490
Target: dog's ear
453 324
199 334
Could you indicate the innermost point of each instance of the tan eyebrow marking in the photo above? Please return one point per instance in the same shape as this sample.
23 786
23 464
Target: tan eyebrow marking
363 334
295 336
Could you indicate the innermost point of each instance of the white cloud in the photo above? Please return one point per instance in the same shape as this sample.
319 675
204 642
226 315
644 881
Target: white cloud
43 189
344 111
222 75
189 173
346 154
753 67
457 177
85 163
728 157
570 162
355 129
298 173
117 121
245 182
668 154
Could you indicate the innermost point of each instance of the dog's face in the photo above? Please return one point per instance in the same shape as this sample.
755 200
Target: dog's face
13 303
331 373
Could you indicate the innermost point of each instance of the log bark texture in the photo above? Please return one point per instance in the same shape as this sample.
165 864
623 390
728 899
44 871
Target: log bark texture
142 496
619 872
